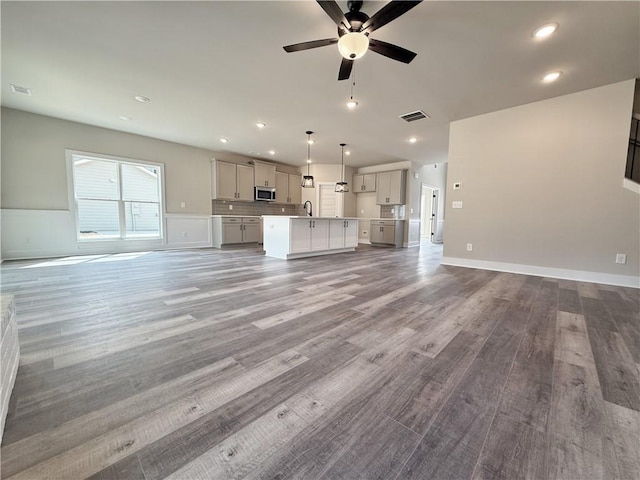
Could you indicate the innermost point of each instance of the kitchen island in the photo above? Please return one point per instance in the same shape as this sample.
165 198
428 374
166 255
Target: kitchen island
290 237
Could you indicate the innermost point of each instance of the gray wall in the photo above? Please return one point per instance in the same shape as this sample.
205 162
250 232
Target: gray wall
34 174
542 184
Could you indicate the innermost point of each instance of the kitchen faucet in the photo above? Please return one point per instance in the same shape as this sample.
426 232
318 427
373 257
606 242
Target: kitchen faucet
310 210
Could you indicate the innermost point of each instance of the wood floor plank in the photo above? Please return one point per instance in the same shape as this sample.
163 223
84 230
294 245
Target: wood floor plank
152 365
115 445
512 451
623 430
616 369
174 451
451 446
527 394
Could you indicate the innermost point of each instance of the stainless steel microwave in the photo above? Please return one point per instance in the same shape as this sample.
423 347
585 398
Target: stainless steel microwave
265 194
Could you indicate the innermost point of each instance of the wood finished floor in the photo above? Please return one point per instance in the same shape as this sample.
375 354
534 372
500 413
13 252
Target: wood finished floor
378 364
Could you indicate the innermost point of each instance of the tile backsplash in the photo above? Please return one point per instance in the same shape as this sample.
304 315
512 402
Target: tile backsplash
221 207
392 211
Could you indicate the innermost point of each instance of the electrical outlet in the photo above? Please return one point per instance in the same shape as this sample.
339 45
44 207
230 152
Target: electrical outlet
469 247
457 204
183 204
184 234
230 207
621 258
362 211
283 210
365 233
412 210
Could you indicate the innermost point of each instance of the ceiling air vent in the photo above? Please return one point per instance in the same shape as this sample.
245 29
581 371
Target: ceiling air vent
19 89
413 116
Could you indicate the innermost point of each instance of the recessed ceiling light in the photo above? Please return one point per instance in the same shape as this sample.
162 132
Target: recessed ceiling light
272 152
142 99
347 152
224 140
545 30
19 89
261 124
413 140
551 77
125 118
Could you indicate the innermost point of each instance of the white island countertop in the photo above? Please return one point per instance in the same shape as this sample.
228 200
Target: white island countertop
297 236
310 217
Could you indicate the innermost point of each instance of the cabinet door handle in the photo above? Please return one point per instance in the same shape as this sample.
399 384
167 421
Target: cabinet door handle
309 223
314 223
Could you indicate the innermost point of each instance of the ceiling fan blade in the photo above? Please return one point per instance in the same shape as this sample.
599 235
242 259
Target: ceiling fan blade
296 47
392 51
333 10
388 13
345 69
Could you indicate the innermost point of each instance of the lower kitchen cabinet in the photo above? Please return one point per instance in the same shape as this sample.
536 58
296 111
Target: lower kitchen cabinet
235 230
309 235
387 232
296 237
343 233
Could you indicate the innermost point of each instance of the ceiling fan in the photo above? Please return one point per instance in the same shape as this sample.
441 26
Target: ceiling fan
354 28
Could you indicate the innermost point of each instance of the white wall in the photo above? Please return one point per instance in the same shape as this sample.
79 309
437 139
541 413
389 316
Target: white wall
542 189
36 219
325 173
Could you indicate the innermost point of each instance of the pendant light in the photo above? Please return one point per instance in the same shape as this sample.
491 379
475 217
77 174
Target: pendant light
307 180
342 186
351 103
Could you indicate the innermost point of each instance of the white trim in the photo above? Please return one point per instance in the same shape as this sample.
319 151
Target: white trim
560 273
631 185
73 207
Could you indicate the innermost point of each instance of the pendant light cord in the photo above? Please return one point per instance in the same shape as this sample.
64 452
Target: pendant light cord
353 85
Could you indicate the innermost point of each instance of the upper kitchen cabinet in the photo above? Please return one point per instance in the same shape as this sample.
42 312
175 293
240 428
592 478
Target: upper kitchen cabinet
390 188
265 174
232 181
364 182
288 188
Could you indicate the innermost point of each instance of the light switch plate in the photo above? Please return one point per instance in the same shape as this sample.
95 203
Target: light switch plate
456 204
621 258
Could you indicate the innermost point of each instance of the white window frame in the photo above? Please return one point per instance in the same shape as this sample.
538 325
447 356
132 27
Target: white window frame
73 205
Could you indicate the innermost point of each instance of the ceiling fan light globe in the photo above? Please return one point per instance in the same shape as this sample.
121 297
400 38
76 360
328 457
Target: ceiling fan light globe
353 45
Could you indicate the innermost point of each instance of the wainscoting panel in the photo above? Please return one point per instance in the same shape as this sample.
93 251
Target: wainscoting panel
188 231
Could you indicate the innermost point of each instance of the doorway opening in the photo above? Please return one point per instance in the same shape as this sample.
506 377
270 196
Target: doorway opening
429 213
329 202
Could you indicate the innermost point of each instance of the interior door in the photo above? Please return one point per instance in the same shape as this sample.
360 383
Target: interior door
328 201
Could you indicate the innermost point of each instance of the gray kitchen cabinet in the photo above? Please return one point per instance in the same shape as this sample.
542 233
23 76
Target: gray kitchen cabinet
288 188
386 232
364 182
265 174
390 187
235 230
232 181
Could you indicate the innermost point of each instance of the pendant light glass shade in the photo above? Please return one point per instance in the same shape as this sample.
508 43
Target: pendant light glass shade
342 186
307 180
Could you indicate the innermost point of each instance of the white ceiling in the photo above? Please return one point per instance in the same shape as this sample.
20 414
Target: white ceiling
213 69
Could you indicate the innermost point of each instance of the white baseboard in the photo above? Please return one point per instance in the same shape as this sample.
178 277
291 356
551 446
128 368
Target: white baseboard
560 273
364 240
